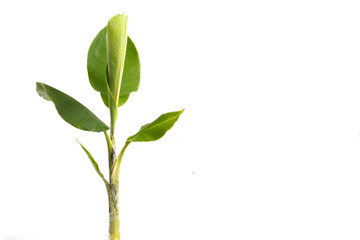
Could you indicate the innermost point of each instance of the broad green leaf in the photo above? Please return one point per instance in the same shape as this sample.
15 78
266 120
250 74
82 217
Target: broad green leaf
131 76
155 130
116 39
97 62
95 165
71 110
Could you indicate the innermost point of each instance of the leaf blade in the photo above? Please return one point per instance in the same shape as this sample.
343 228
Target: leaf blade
156 129
96 66
97 62
72 111
131 76
95 165
116 39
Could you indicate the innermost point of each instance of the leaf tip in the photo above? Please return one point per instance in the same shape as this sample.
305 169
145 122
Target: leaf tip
40 89
79 142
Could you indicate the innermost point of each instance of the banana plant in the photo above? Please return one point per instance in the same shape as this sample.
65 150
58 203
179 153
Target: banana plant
114 71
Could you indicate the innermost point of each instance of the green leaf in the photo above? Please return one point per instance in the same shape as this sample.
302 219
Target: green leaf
131 76
116 39
97 62
71 110
155 130
95 165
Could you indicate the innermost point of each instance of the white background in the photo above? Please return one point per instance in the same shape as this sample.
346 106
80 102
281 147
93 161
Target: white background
268 146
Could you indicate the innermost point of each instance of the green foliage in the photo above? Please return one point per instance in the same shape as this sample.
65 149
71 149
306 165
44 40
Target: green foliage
96 66
155 130
113 66
71 110
97 62
116 39
95 165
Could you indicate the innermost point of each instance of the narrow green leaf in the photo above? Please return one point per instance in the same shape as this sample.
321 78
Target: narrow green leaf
109 147
155 130
95 165
97 62
116 39
114 170
113 113
71 110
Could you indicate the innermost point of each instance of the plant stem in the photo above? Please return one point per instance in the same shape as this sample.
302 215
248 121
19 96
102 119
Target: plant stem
113 193
114 228
114 221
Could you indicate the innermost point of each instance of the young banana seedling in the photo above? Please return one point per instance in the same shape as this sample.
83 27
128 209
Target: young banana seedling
114 70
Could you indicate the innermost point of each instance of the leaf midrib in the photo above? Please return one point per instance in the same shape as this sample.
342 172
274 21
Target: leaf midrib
121 70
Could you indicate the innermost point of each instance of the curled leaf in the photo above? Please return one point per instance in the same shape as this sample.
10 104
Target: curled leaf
97 63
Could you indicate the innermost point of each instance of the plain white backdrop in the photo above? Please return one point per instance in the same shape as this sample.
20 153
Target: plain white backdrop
268 146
